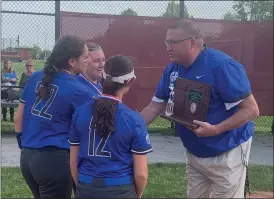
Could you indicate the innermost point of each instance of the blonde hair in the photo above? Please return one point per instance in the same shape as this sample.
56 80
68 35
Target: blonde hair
93 47
29 62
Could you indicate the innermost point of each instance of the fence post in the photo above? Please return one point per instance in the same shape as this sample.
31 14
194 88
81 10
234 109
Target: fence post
57 19
182 9
272 127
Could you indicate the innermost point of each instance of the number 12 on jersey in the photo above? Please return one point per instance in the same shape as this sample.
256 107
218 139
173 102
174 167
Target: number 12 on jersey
98 150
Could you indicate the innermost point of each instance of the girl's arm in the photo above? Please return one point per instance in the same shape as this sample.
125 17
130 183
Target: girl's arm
14 79
140 171
18 123
74 150
19 118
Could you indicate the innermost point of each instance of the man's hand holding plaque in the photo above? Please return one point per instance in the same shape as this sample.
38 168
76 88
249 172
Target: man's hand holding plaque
188 101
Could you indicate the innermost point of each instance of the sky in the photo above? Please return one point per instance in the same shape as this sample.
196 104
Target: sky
39 30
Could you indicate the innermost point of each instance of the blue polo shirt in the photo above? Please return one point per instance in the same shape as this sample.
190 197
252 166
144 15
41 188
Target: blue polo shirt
229 85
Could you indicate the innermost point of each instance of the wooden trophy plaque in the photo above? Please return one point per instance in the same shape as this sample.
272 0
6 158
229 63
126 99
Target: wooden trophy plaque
188 101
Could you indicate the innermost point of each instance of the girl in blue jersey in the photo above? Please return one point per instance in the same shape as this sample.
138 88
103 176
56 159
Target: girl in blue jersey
43 118
109 141
92 74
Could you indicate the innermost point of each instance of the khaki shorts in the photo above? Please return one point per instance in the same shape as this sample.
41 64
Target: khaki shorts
222 176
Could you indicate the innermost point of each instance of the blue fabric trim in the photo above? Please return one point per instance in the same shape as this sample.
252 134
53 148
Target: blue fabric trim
106 181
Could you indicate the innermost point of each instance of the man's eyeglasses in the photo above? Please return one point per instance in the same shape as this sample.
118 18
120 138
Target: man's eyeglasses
171 42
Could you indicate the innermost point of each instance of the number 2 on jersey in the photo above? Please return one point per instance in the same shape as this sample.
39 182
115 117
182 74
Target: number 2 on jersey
99 152
43 111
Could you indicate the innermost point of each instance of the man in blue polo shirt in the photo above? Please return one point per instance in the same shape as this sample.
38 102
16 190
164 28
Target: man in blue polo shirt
218 151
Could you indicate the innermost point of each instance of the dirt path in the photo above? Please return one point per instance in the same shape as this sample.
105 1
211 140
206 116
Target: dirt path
262 195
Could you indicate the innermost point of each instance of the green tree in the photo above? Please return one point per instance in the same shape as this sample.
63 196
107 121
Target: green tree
251 11
229 16
129 12
35 53
173 10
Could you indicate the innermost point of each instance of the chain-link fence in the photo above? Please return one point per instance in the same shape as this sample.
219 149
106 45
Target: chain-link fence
30 28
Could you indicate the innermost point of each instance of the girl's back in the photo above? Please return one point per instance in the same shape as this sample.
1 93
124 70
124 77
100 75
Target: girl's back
109 141
110 156
46 118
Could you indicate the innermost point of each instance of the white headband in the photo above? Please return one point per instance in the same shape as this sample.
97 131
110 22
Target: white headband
121 79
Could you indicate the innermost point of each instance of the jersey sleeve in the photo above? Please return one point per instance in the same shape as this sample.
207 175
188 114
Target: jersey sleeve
74 134
232 83
141 143
162 91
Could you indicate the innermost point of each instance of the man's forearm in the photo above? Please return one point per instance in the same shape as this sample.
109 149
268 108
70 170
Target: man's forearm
152 111
148 115
242 116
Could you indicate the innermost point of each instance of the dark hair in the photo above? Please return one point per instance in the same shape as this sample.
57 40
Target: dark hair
105 108
189 28
66 47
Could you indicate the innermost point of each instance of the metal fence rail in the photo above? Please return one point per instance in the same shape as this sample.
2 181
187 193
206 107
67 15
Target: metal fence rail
30 29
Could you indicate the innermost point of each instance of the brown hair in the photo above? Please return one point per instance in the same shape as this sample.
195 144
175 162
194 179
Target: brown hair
105 108
190 29
5 62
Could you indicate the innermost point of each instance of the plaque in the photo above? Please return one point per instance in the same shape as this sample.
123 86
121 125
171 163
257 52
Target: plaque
188 101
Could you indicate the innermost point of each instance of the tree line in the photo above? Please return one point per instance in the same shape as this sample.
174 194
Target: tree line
242 11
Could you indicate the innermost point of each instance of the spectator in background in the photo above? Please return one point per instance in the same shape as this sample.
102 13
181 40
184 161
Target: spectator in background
28 72
8 78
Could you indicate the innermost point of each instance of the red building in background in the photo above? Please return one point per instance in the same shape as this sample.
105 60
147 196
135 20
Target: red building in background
18 54
24 52
13 56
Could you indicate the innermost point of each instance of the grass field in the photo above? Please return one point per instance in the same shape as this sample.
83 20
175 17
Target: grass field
19 67
165 181
160 125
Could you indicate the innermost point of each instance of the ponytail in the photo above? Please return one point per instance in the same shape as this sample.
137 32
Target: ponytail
105 108
49 73
104 115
